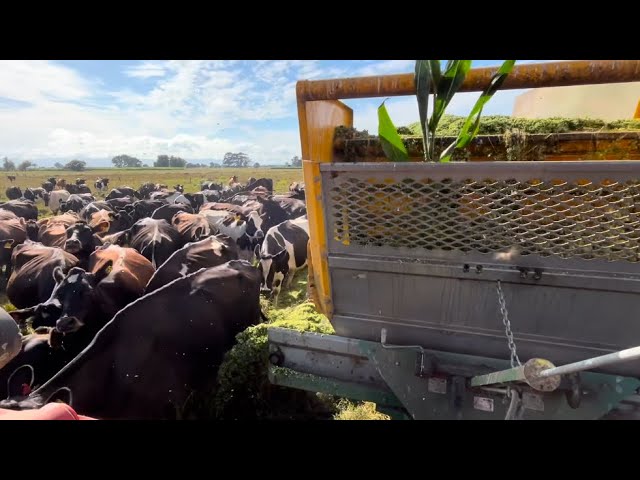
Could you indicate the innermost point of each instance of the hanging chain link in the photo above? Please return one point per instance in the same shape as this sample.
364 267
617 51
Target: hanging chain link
515 361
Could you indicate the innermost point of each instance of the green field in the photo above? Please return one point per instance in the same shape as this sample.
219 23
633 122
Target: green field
134 177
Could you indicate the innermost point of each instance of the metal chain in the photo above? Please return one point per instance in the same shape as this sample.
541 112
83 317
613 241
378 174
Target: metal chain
515 361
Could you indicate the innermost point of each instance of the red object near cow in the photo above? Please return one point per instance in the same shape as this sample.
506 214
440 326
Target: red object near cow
51 411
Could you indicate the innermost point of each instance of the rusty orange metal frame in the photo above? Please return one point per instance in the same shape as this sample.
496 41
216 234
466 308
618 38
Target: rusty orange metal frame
320 112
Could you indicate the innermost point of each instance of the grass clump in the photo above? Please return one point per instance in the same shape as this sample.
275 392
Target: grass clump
450 125
349 410
244 390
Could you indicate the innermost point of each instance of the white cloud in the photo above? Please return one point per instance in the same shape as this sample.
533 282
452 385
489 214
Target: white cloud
146 70
37 81
387 67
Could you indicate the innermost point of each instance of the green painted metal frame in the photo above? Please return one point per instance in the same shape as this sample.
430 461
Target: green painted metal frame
442 391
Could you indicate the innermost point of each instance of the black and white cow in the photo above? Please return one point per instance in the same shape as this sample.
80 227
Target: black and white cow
283 251
101 183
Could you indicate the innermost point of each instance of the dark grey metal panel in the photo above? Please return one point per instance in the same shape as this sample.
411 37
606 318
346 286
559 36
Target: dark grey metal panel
405 240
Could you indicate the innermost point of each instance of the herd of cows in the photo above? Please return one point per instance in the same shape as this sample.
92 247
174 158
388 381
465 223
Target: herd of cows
135 299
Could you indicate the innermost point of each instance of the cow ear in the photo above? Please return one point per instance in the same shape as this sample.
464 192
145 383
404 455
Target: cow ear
58 274
8 243
104 271
256 251
199 233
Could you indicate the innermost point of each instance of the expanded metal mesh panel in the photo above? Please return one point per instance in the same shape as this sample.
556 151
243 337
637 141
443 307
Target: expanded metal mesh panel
568 217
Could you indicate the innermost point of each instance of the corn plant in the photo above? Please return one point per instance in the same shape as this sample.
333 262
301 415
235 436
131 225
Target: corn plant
429 79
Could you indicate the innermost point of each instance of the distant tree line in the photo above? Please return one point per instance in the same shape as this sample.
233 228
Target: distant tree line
10 166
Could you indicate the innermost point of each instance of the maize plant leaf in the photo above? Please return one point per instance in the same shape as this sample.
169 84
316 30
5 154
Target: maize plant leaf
424 79
391 142
447 87
472 123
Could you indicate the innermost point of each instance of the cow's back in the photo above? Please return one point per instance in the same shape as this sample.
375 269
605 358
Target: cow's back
31 281
207 253
155 351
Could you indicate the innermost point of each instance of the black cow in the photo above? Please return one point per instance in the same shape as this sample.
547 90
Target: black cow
11 178
48 186
120 203
146 189
179 188
267 183
106 222
82 302
22 208
195 200
154 239
143 208
209 185
81 242
33 193
166 212
159 195
210 195
80 181
283 251
155 352
94 207
295 208
13 193
75 203
31 281
78 189
122 192
207 253
271 214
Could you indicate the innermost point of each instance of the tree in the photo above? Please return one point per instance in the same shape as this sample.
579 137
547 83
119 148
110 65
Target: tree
162 161
8 164
296 162
177 162
75 165
256 165
58 165
25 165
125 161
239 160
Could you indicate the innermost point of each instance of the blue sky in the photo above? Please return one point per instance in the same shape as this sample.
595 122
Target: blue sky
96 109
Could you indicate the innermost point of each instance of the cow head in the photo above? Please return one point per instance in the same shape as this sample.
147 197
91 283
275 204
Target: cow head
45 197
179 188
64 207
74 294
33 230
29 195
80 238
274 269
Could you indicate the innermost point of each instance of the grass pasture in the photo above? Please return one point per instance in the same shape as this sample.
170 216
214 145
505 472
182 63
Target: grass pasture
134 177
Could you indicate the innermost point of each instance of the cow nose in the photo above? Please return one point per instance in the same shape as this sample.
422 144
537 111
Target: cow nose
67 324
265 291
